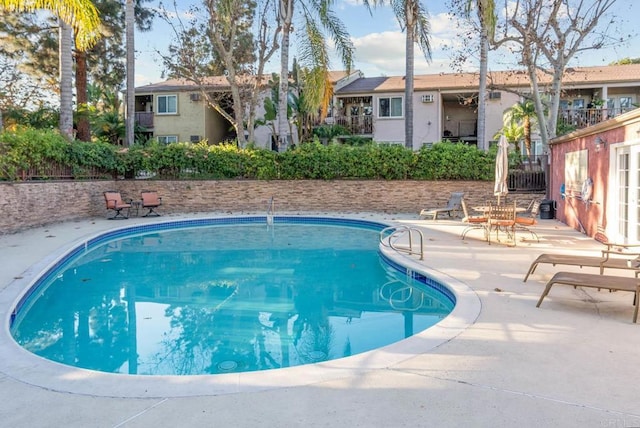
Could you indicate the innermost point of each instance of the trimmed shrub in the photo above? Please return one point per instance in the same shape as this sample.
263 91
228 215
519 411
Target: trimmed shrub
27 149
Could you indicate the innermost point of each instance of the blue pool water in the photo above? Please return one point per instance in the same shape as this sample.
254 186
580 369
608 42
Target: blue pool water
224 295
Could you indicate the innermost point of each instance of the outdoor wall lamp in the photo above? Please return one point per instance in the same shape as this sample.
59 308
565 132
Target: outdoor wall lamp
600 142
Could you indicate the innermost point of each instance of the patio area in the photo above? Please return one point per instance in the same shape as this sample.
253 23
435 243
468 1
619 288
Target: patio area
568 363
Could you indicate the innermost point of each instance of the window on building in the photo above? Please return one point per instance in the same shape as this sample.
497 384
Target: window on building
575 170
167 104
166 139
390 107
625 102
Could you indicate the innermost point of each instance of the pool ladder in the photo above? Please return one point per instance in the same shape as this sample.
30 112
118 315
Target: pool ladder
270 211
390 237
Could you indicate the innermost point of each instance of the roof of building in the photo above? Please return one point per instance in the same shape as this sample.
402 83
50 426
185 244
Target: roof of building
171 85
219 82
573 76
336 75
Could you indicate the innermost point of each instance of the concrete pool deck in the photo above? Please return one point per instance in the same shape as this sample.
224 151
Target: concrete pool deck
571 362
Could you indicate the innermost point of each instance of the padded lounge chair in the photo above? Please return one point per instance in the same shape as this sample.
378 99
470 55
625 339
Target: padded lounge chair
473 221
151 201
114 202
616 256
453 206
607 282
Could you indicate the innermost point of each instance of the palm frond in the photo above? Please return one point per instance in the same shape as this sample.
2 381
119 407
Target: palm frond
81 15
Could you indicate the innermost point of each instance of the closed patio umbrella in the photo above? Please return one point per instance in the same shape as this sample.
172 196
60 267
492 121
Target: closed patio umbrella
502 167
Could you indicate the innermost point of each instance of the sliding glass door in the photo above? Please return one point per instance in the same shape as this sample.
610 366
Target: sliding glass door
627 194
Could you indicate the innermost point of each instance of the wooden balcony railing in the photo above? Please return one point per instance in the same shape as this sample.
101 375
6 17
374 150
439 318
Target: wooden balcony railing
144 118
356 125
583 117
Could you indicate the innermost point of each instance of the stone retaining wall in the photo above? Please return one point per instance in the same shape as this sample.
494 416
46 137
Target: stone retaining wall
29 204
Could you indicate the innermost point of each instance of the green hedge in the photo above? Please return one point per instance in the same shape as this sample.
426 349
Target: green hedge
27 148
46 151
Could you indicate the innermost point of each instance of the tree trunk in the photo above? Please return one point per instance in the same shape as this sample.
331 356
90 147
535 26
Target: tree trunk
66 81
82 120
482 89
527 134
131 59
286 16
408 84
554 99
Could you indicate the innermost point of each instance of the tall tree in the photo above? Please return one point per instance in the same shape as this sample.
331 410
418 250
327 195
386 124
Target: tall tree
233 38
546 36
80 16
414 21
102 61
485 10
131 60
317 15
66 80
31 43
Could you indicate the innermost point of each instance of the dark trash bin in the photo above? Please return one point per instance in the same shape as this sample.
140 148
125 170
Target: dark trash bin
547 209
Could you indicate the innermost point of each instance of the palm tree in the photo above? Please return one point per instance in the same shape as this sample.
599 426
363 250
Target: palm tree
487 18
414 20
66 80
313 13
130 43
80 16
513 132
523 113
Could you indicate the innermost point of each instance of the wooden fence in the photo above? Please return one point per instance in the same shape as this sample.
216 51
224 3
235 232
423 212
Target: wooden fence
57 171
526 181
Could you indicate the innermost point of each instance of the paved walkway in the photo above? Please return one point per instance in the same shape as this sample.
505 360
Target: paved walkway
571 363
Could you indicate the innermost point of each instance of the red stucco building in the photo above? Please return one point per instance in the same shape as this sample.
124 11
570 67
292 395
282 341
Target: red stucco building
595 178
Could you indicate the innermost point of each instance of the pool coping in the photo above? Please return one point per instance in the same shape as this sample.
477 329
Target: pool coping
23 366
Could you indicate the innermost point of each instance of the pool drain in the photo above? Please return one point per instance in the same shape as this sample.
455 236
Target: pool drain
317 355
227 366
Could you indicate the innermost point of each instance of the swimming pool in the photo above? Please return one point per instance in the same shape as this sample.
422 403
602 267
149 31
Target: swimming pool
36 371
217 297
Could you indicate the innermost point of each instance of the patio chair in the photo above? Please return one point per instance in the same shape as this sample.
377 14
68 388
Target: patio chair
526 222
151 201
114 202
473 221
607 282
453 206
502 218
616 256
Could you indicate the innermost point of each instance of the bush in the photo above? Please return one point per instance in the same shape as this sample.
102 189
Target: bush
27 148
43 151
450 161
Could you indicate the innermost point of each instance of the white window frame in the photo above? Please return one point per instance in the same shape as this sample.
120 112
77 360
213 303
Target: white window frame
167 139
390 116
167 103
626 99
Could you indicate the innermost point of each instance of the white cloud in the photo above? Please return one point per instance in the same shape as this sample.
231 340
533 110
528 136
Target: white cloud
383 53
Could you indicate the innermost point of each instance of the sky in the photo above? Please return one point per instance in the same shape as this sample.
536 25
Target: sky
380 43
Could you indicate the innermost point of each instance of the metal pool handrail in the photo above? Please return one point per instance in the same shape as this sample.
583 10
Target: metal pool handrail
389 237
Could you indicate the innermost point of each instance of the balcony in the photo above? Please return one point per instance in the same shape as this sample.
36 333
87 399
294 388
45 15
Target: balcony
356 125
144 118
583 117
